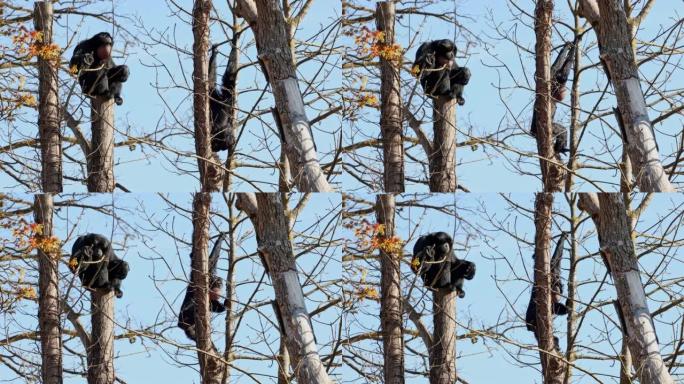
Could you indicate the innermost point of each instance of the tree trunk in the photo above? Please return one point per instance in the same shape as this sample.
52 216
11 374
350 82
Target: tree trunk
614 40
552 174
230 290
609 213
270 29
442 159
443 351
211 366
48 108
390 297
442 168
100 165
267 212
390 105
101 350
48 297
553 367
100 161
207 162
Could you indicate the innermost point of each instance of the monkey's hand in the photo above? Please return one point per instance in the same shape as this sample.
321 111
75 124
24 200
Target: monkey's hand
88 59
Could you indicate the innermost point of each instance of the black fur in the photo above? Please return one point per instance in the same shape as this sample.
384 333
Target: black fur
439 73
221 101
186 316
557 308
98 78
439 267
96 264
560 71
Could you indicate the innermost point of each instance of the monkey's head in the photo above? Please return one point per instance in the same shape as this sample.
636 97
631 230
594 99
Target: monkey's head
445 53
104 43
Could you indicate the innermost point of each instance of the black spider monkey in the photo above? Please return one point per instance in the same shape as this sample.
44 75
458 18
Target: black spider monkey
560 71
186 317
437 264
439 73
557 308
222 100
93 259
97 73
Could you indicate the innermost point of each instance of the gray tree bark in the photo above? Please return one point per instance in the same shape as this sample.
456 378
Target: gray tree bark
390 297
267 213
48 105
270 28
390 104
609 214
48 297
612 28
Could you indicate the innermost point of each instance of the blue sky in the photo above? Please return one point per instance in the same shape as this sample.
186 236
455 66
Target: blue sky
157 99
158 262
498 294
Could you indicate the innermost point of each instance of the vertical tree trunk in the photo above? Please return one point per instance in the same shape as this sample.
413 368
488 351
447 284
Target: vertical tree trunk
442 159
48 108
48 297
552 174
100 161
267 212
270 29
609 213
101 350
390 297
443 352
230 291
390 104
210 172
553 367
100 165
442 168
614 34
211 366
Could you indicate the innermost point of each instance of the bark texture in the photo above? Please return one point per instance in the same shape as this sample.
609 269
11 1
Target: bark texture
612 28
608 210
390 104
211 365
553 367
442 156
552 173
270 28
390 297
100 161
48 297
211 173
100 165
443 351
48 107
268 215
101 350
442 168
